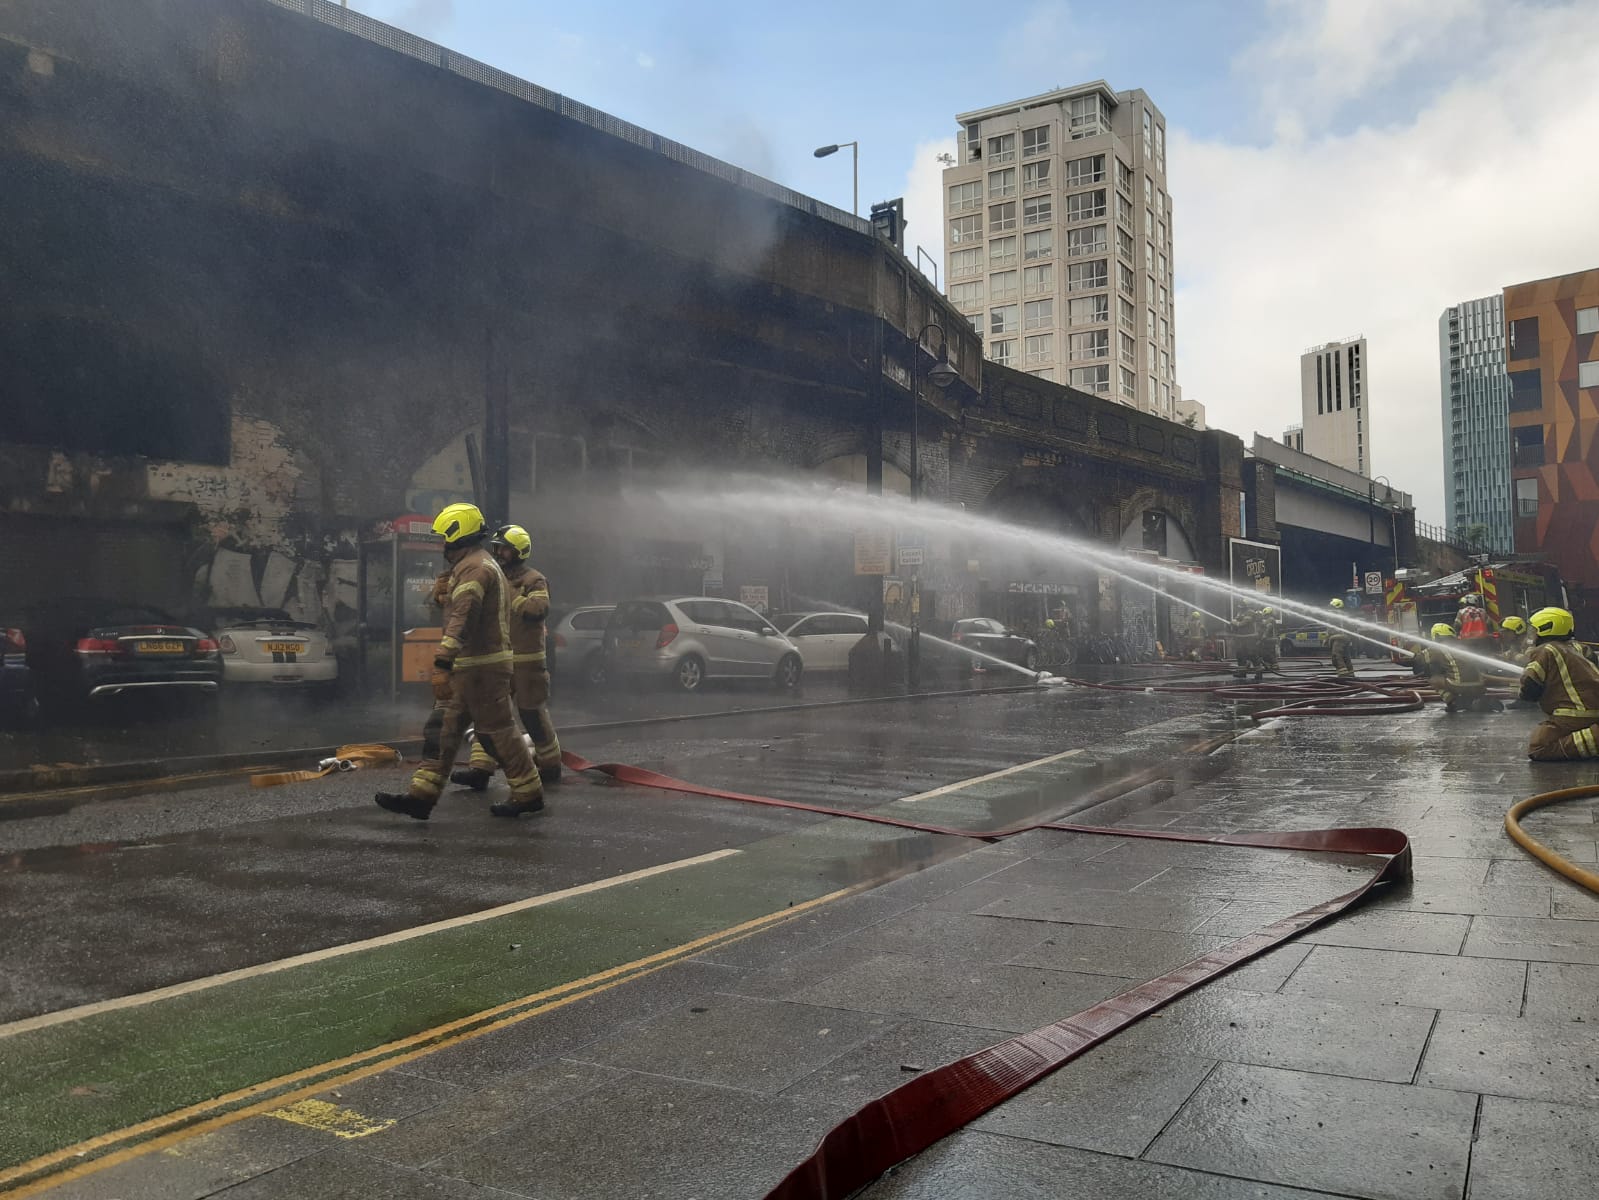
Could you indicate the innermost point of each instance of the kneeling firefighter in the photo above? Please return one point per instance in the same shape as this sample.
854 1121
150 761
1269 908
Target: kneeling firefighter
1455 678
530 606
1566 686
471 676
1340 645
1515 641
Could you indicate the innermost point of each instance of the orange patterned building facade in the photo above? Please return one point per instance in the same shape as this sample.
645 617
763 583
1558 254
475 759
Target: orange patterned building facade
1552 352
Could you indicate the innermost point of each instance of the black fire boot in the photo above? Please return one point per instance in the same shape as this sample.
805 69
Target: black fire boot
475 778
405 804
515 808
550 774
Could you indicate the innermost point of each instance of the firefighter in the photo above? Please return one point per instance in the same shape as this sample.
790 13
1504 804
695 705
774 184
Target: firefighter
1194 635
471 677
1471 622
1454 677
1340 645
1268 637
1515 642
1246 636
530 605
1566 686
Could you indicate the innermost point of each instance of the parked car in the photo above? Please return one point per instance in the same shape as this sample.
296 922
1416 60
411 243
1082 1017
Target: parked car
19 703
577 641
266 645
1306 639
824 639
84 649
988 636
690 639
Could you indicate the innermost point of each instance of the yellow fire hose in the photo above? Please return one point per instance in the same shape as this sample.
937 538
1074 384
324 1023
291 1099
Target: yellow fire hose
1536 848
347 758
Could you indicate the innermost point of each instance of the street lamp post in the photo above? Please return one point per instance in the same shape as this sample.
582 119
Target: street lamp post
941 374
855 155
1393 519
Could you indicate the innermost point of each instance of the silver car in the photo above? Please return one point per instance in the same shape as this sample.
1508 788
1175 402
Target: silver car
691 639
824 639
576 643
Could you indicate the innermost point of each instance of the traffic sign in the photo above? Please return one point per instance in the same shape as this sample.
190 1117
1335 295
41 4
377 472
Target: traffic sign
1374 583
910 556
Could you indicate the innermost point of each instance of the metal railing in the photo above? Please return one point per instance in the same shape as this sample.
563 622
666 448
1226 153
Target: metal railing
363 26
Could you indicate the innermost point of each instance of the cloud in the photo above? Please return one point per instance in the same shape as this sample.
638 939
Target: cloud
644 60
1484 182
924 201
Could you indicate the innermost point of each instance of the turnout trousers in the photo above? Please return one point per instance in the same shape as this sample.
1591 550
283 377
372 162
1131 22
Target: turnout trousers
482 698
532 694
1561 738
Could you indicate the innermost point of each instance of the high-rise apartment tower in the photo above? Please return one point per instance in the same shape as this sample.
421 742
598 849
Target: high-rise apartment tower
1332 404
1058 241
1475 392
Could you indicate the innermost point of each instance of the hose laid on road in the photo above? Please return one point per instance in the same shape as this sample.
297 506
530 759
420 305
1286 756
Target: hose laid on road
913 1117
345 758
1536 848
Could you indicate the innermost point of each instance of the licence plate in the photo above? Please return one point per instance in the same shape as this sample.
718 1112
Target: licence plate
158 648
285 647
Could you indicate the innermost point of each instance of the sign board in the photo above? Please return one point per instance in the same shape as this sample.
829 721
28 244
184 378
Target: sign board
753 595
1253 567
874 551
912 548
910 556
1374 583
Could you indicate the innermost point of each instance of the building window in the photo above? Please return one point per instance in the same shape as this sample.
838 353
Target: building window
1149 190
1149 326
1086 240
1165 332
1149 354
1164 266
1129 348
1002 217
1080 171
1338 383
966 295
1035 175
1320 391
1038 349
1082 205
1002 149
1003 352
1588 320
965 197
1090 310
1526 498
1086 276
1037 281
966 262
1528 443
1149 134
966 229
1047 374
1124 209
1002 252
1092 345
974 141
1040 210
1002 319
1038 245
1002 286
1035 141
1165 305
1165 365
1125 278
1165 396
1038 314
1092 379
1124 244
1524 338
1129 384
1002 183
1089 115
1588 375
1160 207
1124 177
1526 390
1149 256
1128 315
1160 146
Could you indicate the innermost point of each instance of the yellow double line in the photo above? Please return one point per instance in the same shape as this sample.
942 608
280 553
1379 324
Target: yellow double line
97 1153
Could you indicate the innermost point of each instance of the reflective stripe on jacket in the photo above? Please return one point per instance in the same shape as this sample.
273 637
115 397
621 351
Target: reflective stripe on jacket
476 616
1562 681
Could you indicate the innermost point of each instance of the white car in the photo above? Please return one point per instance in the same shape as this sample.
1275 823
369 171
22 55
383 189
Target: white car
824 638
264 645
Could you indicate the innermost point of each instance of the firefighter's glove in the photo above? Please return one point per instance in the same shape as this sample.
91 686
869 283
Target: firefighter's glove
443 688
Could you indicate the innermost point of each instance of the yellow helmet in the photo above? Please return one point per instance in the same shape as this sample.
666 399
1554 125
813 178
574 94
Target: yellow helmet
1049 623
1266 612
458 523
1513 625
515 537
1442 630
1552 623
1335 602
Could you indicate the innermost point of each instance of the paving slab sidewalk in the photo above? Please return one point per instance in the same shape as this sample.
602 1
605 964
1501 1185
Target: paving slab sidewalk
1441 1043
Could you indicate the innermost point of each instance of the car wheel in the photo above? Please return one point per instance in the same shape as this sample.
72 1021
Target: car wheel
1031 661
789 670
689 673
594 670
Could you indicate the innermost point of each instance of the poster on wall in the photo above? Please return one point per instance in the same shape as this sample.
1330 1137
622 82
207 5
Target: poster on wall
1253 567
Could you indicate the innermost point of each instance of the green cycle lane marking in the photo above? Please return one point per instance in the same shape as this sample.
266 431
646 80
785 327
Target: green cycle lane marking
118 1066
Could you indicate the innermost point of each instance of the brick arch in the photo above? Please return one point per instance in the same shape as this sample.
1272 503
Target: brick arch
1179 518
841 443
1052 503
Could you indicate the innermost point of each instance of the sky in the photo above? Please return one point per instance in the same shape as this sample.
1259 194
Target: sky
1337 167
